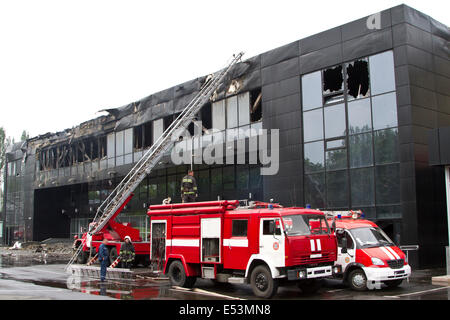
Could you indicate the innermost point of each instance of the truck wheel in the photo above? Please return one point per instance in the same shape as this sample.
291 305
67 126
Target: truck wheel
357 280
310 286
177 275
113 255
393 283
82 257
263 285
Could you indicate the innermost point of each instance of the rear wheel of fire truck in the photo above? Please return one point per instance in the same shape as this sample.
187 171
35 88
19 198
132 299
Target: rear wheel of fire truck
178 277
82 257
263 285
309 286
357 280
113 255
393 283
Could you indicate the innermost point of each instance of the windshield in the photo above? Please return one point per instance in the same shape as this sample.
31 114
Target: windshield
370 237
303 225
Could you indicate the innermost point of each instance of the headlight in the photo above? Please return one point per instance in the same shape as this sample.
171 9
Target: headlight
377 262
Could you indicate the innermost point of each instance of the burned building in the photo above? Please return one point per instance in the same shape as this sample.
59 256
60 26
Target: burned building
353 106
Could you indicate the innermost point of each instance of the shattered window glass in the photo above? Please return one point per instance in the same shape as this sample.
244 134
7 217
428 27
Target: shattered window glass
358 79
333 85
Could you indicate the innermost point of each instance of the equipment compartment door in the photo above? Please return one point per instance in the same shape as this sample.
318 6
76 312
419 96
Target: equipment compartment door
210 239
158 244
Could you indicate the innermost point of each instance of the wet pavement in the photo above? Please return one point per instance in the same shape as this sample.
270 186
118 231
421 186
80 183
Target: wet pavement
36 280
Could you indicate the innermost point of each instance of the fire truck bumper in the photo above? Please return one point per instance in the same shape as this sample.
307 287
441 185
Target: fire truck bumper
310 273
385 274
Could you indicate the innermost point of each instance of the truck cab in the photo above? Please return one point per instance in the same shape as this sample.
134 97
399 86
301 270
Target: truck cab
367 256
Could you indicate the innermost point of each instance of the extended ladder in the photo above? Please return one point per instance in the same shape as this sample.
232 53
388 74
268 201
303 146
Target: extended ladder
151 158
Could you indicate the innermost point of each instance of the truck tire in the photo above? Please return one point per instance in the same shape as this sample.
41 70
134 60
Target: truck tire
262 283
310 286
112 255
177 275
82 257
357 280
393 283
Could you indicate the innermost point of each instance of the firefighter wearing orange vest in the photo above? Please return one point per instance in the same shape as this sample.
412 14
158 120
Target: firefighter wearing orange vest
189 188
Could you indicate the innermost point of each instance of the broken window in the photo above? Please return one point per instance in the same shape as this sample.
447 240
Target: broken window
206 116
333 85
138 137
147 127
102 147
358 79
255 105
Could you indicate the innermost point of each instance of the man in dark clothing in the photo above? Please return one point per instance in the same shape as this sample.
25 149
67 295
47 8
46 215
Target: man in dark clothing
189 188
103 257
127 253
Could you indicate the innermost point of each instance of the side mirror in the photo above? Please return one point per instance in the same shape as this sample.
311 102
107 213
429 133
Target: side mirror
344 245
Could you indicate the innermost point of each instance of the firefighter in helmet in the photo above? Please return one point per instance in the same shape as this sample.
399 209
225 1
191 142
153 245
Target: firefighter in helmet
127 253
189 187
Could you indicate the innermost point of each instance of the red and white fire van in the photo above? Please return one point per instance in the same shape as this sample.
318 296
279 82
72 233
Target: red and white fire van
261 244
365 253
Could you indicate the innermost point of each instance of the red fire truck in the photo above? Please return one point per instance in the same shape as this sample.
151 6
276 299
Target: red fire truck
262 244
366 254
115 233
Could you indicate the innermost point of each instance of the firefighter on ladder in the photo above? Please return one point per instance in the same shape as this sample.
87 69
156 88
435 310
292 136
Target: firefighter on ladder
127 253
189 187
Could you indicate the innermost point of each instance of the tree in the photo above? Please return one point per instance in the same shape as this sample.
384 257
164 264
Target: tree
25 136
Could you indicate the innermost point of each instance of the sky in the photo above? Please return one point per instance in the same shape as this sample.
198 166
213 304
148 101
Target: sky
63 61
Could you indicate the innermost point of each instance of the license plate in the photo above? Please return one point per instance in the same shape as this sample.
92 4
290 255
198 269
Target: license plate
399 272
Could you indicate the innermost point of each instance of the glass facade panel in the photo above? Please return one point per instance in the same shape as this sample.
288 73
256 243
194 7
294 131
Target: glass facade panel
382 75
158 129
337 189
111 145
218 115
362 187
313 125
312 91
386 146
334 121
384 110
387 180
336 159
232 112
314 157
119 143
359 116
360 146
244 108
315 190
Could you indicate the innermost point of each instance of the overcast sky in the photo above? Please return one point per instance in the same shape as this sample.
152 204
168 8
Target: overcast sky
63 61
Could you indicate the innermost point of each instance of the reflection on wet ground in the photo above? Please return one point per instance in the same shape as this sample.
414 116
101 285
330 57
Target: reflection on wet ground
45 279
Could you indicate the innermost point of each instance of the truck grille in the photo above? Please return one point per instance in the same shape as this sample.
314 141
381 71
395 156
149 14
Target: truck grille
396 264
306 259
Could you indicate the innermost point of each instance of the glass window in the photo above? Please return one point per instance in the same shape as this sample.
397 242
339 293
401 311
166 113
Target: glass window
315 190
387 184
332 144
255 178
111 145
216 182
158 129
386 146
359 117
232 112
312 91
389 212
334 121
362 187
337 189
218 115
336 159
313 125
360 150
128 141
228 178
244 108
314 154
382 78
270 227
242 177
119 143
239 228
384 109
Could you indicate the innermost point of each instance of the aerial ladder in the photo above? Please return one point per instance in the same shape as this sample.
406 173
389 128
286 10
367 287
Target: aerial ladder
151 158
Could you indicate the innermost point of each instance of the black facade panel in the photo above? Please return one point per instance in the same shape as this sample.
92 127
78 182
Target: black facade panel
443 103
320 59
321 40
282 105
444 145
406 152
290 137
359 27
423 97
424 117
286 121
404 115
368 44
403 97
439 29
409 15
420 58
442 84
280 71
402 76
280 54
440 47
442 66
281 89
